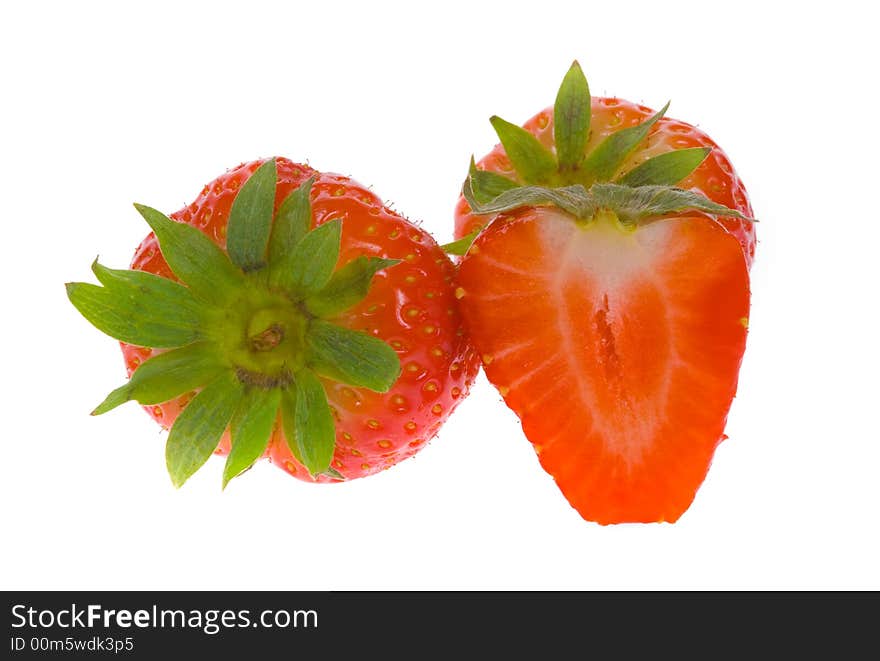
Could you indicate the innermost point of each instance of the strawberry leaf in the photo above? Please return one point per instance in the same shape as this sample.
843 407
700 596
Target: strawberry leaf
665 169
167 376
309 266
197 430
139 308
635 204
461 246
310 422
250 219
194 258
292 222
351 357
571 118
574 199
251 428
602 163
347 286
487 185
533 162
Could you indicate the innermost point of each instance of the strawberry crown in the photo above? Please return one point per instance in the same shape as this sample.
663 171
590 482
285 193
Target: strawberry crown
251 329
583 182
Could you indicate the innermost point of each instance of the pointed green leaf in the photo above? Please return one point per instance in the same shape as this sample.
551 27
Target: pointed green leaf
309 266
351 357
194 258
293 220
332 472
347 286
197 430
571 118
167 375
461 246
250 219
288 422
574 199
634 204
665 169
310 423
486 185
533 162
139 308
251 428
602 163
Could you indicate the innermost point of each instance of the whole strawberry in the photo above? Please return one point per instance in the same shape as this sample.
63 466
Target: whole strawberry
286 314
604 281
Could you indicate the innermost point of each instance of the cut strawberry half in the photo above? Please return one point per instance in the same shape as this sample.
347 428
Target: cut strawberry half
610 310
619 351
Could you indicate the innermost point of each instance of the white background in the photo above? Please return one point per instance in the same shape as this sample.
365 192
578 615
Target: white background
104 104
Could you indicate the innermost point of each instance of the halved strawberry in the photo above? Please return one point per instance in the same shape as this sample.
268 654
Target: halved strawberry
612 318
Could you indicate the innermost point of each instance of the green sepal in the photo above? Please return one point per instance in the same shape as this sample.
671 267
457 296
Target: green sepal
194 258
574 199
309 266
250 218
602 163
167 375
197 431
351 357
636 204
486 185
250 430
571 119
665 169
139 308
533 162
332 472
630 204
347 286
462 245
292 222
308 423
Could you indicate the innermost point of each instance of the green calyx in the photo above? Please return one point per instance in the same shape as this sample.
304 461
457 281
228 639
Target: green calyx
250 329
581 181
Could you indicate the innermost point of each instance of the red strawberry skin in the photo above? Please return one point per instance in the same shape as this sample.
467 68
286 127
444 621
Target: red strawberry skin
618 349
411 306
715 178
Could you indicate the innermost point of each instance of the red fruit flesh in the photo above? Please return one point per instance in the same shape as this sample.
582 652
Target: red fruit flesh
618 349
715 178
411 306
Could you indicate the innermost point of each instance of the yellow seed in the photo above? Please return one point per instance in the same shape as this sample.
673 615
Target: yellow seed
371 229
437 351
384 444
436 409
410 426
365 467
745 322
459 293
373 424
410 279
503 390
488 358
431 386
429 330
